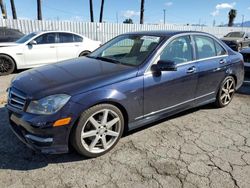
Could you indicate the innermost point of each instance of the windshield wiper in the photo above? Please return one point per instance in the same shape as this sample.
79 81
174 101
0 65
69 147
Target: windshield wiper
107 59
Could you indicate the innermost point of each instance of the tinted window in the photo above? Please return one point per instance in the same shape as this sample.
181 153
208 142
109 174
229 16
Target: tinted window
47 38
205 47
219 49
77 38
179 50
66 38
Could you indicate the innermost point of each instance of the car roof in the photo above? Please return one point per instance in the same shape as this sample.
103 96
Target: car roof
163 33
55 31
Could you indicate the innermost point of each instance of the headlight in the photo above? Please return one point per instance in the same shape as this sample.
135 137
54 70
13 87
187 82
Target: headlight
48 105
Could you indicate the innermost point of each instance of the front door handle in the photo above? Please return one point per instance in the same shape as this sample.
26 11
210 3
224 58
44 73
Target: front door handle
52 46
191 69
222 61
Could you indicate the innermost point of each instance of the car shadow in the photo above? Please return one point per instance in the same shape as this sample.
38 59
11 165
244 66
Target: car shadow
15 155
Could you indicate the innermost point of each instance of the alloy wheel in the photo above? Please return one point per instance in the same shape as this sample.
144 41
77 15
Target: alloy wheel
7 66
227 91
100 131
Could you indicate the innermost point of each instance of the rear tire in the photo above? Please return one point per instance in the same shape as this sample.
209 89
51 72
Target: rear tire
226 92
7 65
98 130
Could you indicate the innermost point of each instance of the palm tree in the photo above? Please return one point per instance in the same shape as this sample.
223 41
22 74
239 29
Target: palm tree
142 12
231 16
13 9
91 11
101 11
128 21
3 9
39 10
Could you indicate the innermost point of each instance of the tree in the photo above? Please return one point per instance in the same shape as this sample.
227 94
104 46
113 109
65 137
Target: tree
128 21
91 11
3 9
231 16
13 9
39 9
142 12
101 11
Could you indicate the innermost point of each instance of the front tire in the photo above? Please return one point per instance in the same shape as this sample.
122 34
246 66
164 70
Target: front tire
226 92
98 130
7 65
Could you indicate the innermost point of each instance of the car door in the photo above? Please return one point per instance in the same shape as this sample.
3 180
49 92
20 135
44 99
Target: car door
212 61
41 51
172 90
66 47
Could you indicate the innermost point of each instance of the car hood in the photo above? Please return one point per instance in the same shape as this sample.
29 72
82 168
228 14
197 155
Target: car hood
6 44
71 77
231 39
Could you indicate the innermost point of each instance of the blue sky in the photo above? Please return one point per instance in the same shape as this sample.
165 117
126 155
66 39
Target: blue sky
177 11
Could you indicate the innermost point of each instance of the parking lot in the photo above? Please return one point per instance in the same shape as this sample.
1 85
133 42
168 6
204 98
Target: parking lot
203 147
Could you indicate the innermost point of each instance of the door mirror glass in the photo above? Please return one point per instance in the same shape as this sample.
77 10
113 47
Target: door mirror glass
166 65
33 42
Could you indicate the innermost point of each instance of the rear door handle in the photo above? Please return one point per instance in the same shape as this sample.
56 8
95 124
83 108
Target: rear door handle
52 46
191 69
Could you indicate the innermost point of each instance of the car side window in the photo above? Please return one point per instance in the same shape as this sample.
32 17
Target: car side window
48 38
179 50
77 38
66 38
205 47
219 49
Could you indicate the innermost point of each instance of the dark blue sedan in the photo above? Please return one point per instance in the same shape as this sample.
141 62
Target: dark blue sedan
132 80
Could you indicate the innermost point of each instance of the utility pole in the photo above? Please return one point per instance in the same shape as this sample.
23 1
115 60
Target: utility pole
117 17
242 23
164 15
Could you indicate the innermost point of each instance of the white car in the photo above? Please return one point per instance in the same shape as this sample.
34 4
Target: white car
41 48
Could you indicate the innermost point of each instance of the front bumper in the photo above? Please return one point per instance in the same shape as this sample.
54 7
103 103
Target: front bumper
38 133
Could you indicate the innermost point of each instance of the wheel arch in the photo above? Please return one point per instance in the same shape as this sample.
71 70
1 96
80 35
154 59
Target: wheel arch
10 58
84 51
111 102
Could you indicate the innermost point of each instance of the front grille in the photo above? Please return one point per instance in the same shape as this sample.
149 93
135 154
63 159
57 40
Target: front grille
16 99
246 57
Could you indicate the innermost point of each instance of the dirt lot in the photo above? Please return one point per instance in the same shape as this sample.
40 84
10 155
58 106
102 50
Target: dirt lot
204 147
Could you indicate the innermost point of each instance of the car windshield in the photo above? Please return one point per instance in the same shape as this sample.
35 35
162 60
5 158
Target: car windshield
127 49
25 38
235 34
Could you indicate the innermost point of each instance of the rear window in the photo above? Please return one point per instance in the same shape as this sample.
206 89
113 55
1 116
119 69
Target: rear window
78 38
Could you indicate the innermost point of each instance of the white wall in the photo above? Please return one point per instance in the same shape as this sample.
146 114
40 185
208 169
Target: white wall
105 31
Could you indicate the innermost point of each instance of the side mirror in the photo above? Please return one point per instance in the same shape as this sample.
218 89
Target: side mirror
167 65
33 42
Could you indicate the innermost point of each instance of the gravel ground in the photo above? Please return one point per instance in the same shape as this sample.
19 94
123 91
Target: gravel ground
203 147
